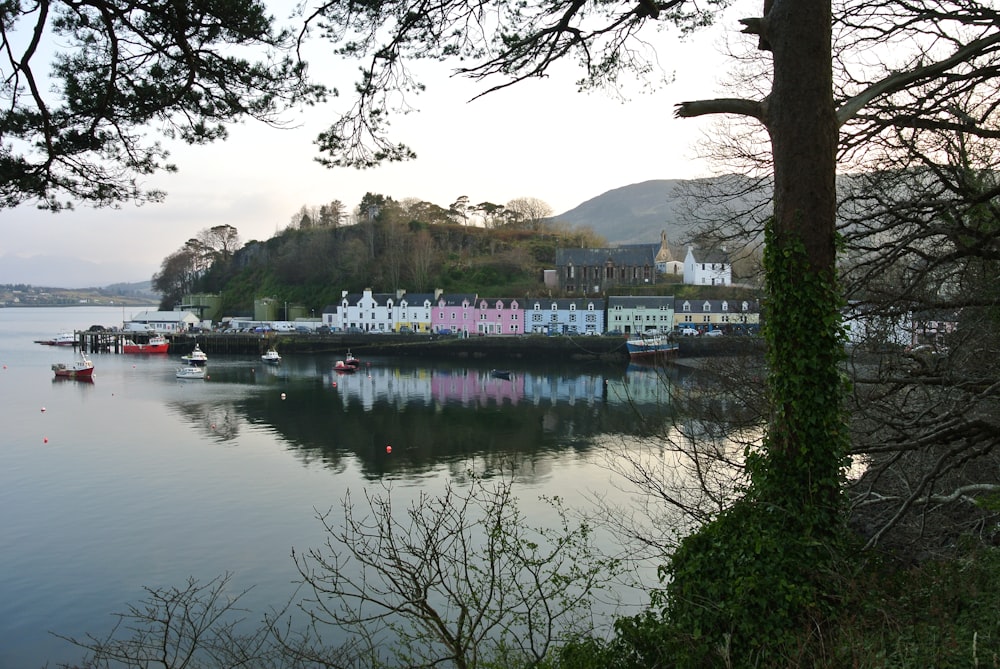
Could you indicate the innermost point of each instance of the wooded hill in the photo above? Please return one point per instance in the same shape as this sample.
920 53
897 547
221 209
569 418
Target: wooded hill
311 267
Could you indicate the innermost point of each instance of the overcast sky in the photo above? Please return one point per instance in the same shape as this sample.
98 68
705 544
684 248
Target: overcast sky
539 139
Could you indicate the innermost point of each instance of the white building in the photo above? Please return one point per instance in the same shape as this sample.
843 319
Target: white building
367 311
167 321
707 268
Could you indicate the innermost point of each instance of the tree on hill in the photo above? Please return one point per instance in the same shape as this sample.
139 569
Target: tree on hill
78 129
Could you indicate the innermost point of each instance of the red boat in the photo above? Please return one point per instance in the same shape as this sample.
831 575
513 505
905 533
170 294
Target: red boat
344 367
81 369
157 344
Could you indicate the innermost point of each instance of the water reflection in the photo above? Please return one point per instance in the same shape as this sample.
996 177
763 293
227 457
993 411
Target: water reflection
399 418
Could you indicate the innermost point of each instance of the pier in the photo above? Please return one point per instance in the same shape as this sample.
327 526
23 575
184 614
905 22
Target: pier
517 347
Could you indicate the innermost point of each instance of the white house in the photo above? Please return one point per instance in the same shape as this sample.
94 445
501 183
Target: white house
707 268
167 321
369 312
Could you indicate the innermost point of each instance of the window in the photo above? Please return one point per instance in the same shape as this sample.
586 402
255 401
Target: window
686 307
725 305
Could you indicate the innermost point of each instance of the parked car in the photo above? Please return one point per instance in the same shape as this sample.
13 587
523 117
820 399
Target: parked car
405 329
714 333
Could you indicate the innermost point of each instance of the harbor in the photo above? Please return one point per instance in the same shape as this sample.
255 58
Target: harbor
522 347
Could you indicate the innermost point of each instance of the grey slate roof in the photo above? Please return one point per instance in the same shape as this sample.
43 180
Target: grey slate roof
632 255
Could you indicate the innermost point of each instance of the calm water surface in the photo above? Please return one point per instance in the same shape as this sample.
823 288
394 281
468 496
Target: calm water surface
139 479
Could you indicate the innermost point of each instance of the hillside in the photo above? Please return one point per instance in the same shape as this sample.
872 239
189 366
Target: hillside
637 213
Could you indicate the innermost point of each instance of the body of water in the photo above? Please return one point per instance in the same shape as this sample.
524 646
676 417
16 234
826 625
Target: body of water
140 479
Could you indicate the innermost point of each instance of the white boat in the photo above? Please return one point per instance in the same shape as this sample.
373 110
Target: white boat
61 339
271 357
191 373
642 347
196 357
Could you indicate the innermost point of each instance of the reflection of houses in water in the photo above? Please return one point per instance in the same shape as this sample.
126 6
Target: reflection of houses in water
475 386
470 387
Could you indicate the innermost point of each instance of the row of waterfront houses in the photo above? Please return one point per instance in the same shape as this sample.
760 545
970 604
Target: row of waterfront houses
470 314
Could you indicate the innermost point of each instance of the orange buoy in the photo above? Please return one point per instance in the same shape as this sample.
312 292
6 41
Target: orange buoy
388 449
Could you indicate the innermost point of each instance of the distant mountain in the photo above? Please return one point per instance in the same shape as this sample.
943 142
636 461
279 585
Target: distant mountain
637 213
633 214
65 272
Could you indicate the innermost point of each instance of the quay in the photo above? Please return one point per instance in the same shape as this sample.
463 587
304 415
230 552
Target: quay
496 347
503 347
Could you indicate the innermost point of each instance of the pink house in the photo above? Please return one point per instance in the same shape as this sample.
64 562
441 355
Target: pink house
499 315
455 313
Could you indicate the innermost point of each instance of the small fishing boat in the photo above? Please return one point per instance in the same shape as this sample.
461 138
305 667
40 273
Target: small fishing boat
641 347
500 373
351 361
191 373
82 368
195 358
343 367
271 357
156 344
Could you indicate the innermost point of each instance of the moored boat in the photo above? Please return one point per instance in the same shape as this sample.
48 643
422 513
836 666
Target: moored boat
343 367
500 373
156 344
196 357
191 373
271 357
641 347
351 361
61 339
82 368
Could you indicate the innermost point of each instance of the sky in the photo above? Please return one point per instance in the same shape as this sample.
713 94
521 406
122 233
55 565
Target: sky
540 139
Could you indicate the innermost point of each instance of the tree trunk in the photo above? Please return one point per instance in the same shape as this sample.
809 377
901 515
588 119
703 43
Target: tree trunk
806 431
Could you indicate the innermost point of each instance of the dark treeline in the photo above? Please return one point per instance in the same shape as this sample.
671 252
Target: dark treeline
398 248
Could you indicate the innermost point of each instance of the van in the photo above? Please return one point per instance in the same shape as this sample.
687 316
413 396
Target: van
688 332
